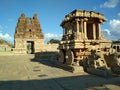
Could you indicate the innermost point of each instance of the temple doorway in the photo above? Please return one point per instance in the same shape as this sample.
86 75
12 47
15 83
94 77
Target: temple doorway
30 47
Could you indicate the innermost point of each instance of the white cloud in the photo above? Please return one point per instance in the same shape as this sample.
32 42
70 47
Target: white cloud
115 25
110 4
49 36
106 32
114 32
5 36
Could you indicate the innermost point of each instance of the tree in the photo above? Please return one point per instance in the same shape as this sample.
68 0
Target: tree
54 41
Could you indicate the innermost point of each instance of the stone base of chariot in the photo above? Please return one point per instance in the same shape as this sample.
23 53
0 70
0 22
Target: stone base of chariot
100 72
71 68
77 69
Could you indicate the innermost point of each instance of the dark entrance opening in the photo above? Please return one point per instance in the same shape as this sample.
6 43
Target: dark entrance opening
30 47
90 30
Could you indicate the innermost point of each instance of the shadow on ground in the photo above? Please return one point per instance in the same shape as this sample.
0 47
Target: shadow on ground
50 59
48 82
46 58
62 83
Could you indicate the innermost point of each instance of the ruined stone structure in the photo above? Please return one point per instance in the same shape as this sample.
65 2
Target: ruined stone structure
83 43
28 35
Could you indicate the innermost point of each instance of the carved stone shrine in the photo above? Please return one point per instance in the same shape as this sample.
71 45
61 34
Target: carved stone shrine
84 45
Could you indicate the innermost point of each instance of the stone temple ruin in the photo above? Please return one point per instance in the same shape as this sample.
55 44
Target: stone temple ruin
28 35
84 45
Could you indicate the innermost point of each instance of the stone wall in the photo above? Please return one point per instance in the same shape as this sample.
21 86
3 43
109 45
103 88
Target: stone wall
43 48
51 47
5 48
49 52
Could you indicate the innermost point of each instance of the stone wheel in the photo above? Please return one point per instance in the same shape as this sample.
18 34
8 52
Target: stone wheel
61 56
69 57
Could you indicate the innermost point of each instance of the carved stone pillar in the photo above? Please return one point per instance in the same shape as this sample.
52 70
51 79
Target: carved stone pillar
81 26
94 31
85 28
77 26
85 33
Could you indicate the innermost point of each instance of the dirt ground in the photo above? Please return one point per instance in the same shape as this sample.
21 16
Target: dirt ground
23 72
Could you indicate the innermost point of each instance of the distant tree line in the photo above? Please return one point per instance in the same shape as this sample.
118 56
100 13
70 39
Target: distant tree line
54 41
116 41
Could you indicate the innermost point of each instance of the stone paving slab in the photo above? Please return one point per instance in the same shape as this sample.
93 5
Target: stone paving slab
22 72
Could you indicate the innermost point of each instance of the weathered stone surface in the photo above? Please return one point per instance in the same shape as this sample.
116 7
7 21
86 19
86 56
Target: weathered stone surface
28 33
83 43
82 34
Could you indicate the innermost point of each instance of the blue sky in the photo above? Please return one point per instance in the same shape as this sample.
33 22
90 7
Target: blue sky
52 12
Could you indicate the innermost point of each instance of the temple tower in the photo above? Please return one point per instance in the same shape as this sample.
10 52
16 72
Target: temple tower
28 37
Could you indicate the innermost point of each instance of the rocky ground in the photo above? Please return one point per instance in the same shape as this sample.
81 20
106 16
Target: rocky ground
23 72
